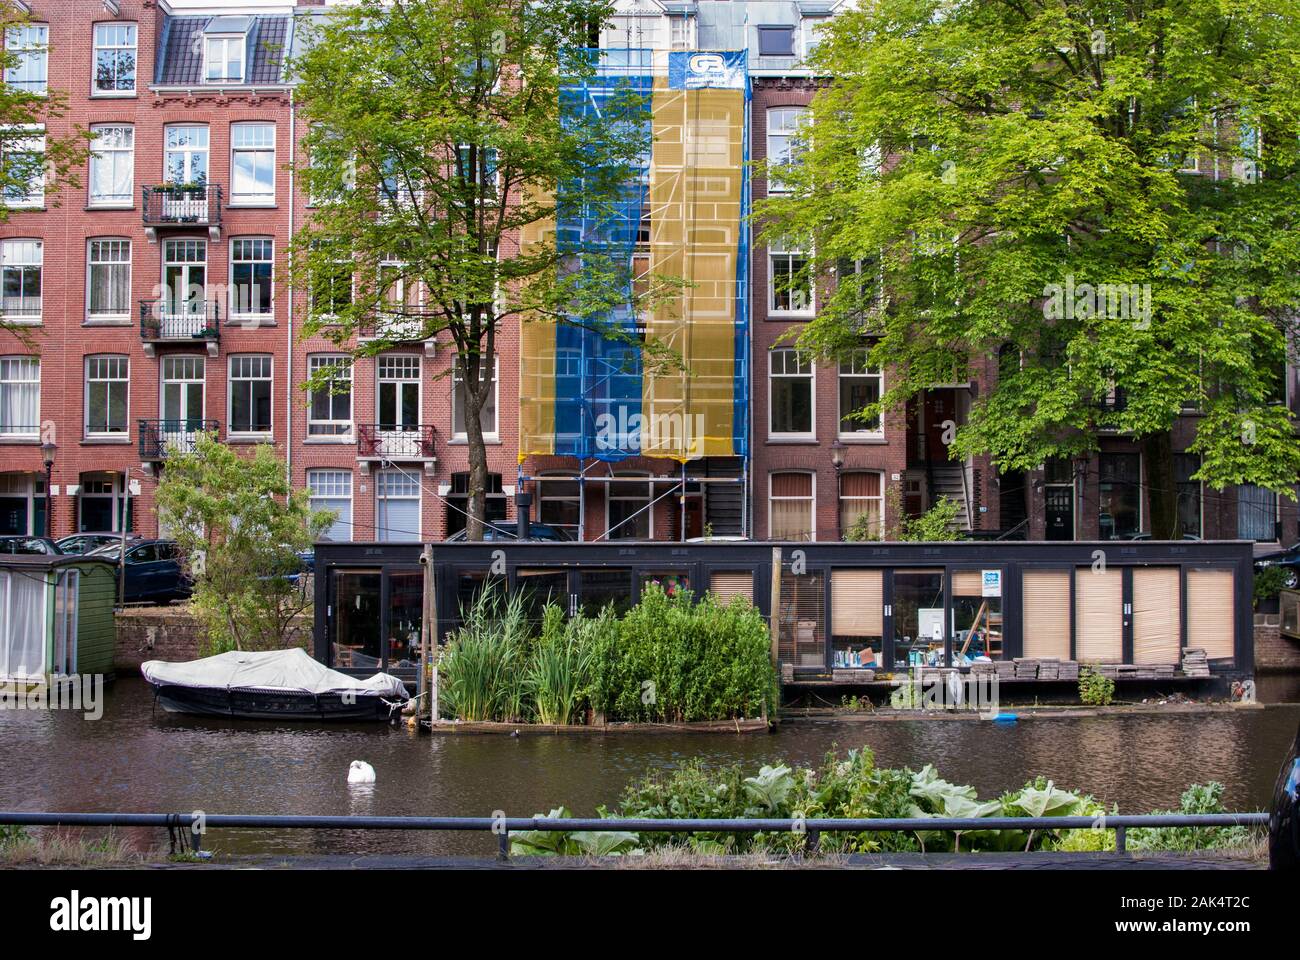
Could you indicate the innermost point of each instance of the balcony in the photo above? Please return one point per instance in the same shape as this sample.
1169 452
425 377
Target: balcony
386 441
158 438
168 207
196 321
395 328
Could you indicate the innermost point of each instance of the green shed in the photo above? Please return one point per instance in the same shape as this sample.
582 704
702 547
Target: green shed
56 616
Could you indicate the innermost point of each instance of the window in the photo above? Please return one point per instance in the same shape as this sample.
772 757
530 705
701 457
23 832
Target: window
629 514
397 496
860 385
810 28
681 33
108 279
252 163
67 588
1189 493
223 59
332 490
114 58
559 504
487 416
185 271
789 287
477 166
28 46
108 383
399 392
250 277
862 503
112 166
776 41
250 394
20 396
790 393
494 502
784 124
185 154
330 284
1256 513
21 261
24 168
22 625
791 506
1120 495
329 410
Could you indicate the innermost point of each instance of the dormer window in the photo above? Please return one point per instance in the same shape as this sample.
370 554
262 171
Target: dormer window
225 40
776 41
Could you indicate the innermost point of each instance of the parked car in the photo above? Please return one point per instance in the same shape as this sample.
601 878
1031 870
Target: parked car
86 542
30 545
1283 822
1147 536
500 531
1288 560
153 570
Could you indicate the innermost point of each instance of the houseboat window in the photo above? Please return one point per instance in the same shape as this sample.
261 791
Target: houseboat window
67 590
1156 615
540 587
356 620
1046 613
1098 615
672 582
976 618
1210 612
726 584
918 617
802 625
22 626
405 617
600 588
469 585
857 618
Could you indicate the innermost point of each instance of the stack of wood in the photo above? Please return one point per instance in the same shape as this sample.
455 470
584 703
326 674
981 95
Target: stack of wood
1195 663
853 674
1049 668
1026 668
1006 669
1110 670
981 667
1163 671
1069 670
787 673
1131 671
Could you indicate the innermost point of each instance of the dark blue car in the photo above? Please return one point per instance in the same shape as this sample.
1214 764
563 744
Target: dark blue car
154 573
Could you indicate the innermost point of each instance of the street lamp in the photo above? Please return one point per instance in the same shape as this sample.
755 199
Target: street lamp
47 455
837 461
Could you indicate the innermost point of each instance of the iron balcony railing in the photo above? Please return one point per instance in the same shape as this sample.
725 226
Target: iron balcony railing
182 206
193 320
158 438
389 441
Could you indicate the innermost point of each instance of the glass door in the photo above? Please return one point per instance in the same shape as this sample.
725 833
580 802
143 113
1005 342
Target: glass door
185 279
918 618
355 642
181 402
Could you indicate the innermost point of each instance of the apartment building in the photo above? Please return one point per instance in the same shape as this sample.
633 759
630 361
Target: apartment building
150 303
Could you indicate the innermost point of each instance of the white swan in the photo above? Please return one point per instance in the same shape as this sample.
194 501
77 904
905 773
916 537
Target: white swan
361 772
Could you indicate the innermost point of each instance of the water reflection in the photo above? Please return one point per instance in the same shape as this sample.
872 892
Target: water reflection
134 760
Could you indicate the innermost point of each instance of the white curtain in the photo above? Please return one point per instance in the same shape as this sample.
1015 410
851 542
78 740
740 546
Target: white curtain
20 395
22 649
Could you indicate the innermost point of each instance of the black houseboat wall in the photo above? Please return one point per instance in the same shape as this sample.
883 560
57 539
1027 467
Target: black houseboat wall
883 605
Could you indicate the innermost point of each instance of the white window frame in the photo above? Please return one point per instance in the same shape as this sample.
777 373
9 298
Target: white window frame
29 43
240 245
490 436
221 43
681 32
32 364
343 362
34 198
408 361
120 316
794 119
318 500
773 375
111 363
777 250
113 155
22 253
232 379
256 150
812 503
808 27
189 152
114 480
867 373
647 508
117 38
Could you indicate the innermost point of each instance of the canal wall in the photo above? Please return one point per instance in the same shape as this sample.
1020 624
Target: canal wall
170 633
1274 653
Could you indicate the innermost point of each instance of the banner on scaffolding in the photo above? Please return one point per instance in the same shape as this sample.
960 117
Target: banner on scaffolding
586 393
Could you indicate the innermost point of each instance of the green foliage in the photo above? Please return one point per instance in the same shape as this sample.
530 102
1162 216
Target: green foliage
550 843
667 659
1198 798
1269 582
937 523
1094 689
985 160
240 525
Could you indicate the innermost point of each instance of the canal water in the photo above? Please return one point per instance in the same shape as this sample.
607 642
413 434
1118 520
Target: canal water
135 760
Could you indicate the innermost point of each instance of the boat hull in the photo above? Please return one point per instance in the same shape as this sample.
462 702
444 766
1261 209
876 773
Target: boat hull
252 704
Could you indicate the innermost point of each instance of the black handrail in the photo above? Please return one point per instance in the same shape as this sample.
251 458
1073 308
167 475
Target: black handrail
161 437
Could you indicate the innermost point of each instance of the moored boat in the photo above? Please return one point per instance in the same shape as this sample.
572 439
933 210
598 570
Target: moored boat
271 685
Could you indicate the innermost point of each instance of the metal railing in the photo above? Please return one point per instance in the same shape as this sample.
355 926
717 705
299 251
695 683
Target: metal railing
188 827
388 441
196 320
161 437
182 206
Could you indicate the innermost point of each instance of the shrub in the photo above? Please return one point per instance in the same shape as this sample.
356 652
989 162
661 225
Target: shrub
1094 689
1198 798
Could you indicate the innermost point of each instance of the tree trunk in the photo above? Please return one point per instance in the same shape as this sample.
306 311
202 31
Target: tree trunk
1162 492
478 471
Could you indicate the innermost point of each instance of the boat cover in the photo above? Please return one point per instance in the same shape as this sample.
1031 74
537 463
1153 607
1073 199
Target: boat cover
288 670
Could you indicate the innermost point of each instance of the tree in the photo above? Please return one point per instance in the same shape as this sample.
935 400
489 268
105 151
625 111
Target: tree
1100 193
241 525
436 140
